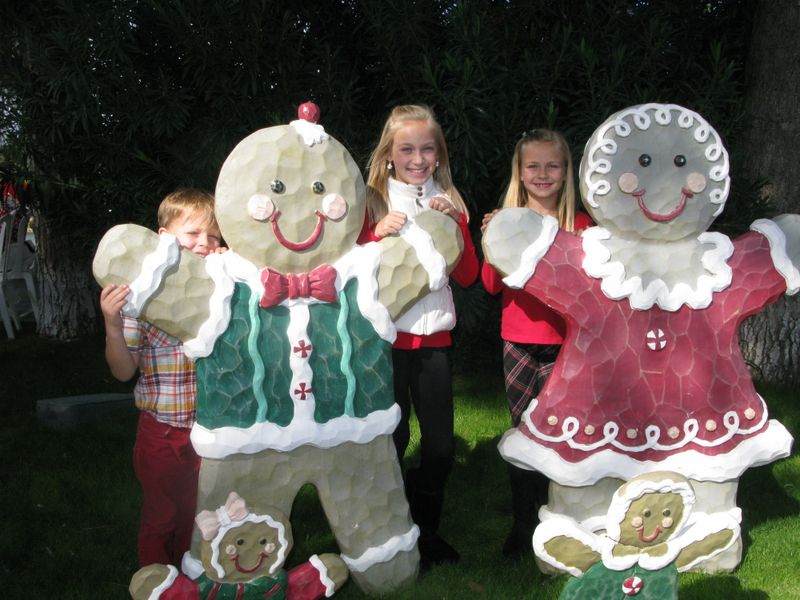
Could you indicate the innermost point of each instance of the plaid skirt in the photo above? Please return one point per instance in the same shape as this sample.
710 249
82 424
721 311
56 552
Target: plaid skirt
526 367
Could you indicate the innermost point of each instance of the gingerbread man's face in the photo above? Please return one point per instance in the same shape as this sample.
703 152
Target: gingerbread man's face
289 202
657 172
651 519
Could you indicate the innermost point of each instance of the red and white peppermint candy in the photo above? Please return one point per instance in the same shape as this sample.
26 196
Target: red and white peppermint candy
632 586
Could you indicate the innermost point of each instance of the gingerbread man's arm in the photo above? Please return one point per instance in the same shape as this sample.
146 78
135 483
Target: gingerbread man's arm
563 544
170 287
712 534
418 260
320 577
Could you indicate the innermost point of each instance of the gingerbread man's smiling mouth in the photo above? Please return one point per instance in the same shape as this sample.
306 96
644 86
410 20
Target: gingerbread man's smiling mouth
657 217
649 538
305 244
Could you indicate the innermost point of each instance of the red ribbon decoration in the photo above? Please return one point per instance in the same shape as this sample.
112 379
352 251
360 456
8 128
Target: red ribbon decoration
319 283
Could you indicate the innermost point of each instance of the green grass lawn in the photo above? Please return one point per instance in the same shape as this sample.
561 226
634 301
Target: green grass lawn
70 499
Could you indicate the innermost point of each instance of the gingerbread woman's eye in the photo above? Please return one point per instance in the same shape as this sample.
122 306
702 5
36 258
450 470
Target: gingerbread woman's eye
277 186
645 160
679 160
318 187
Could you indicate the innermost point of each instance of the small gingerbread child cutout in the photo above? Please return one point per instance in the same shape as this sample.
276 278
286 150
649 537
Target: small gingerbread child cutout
243 552
650 533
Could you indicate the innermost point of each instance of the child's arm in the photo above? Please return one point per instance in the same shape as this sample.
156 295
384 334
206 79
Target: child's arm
122 362
466 271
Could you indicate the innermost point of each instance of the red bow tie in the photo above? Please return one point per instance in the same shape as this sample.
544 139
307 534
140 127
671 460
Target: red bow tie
319 283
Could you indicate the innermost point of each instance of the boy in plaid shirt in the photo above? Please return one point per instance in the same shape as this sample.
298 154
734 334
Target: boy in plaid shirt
163 458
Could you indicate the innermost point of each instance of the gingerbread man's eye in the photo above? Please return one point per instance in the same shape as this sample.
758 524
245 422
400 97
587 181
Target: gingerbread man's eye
679 160
240 542
646 512
262 542
666 512
277 186
318 187
645 160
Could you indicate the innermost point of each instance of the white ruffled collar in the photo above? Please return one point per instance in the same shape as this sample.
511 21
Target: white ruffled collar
411 198
713 274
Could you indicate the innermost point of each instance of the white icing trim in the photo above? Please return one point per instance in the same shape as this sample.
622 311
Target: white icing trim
662 115
429 257
250 518
219 308
773 443
533 254
386 551
164 585
191 566
777 251
166 255
616 285
324 578
708 524
312 133
223 441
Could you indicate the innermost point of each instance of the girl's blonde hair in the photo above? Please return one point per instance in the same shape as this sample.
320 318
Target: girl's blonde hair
187 201
517 196
378 170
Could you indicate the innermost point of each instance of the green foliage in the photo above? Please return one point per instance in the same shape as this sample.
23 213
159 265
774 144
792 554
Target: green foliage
110 105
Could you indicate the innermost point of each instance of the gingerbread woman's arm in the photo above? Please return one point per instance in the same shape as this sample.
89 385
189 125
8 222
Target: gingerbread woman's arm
418 260
170 287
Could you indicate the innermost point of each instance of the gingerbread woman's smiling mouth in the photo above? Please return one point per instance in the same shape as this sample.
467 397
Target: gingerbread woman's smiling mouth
661 218
241 569
305 244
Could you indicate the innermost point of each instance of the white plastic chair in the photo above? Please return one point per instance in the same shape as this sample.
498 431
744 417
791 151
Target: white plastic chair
6 311
19 264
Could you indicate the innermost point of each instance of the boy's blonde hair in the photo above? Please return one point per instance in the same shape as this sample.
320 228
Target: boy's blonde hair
378 176
517 196
187 202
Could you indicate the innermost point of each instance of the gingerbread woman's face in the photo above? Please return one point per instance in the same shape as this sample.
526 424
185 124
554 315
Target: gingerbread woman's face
290 202
651 519
657 172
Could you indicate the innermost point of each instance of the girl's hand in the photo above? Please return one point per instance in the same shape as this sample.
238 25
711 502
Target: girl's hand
112 299
391 224
444 205
487 218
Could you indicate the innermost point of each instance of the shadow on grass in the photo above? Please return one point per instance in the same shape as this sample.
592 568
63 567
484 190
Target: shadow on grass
720 586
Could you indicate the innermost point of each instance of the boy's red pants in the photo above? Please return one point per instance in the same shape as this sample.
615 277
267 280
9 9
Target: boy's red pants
167 468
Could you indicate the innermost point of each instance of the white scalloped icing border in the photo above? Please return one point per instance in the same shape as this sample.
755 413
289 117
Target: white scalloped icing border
429 257
615 285
772 443
166 255
219 309
533 253
777 251
312 133
385 552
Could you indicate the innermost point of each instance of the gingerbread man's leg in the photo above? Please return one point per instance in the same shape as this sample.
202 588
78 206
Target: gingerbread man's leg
361 490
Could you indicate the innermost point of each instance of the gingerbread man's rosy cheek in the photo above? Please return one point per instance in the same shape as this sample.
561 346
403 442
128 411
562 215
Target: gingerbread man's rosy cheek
260 207
637 522
334 207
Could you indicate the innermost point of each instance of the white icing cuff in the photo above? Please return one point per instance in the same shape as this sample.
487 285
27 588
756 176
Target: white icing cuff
330 585
384 552
772 443
164 585
191 566
224 441
533 254
219 305
166 255
777 251
429 257
310 132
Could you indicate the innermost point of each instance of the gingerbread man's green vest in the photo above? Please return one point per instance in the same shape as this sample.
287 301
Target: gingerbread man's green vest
247 378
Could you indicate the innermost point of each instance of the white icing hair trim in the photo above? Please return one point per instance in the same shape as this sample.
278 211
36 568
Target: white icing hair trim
777 251
166 255
533 254
429 257
311 133
324 579
250 518
384 552
219 305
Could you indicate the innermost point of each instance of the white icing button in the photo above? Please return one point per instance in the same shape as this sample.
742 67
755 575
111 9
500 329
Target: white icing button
749 414
589 429
711 425
631 433
552 420
656 340
673 432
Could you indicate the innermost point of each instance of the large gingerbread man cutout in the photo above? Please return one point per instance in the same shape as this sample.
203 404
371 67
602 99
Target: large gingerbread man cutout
291 330
650 375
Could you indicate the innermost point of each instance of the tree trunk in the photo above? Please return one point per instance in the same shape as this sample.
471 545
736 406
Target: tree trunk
67 291
771 339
